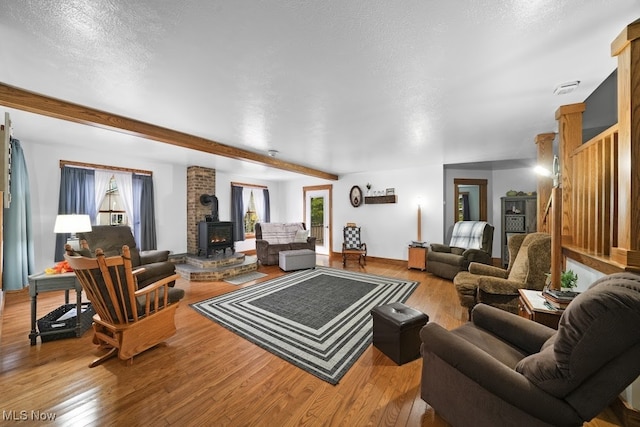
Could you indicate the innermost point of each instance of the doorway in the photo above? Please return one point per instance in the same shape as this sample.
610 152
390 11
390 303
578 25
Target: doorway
317 215
470 199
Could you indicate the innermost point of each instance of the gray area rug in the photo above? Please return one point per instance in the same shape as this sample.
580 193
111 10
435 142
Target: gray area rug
319 320
244 278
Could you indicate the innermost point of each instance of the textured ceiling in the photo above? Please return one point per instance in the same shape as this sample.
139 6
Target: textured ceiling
341 86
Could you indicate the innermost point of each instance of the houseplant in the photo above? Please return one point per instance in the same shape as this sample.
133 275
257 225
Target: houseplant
568 280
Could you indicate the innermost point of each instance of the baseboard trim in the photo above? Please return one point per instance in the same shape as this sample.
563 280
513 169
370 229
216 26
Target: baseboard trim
628 416
376 259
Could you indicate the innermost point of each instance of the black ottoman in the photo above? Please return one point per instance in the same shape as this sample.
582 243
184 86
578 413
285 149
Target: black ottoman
396 331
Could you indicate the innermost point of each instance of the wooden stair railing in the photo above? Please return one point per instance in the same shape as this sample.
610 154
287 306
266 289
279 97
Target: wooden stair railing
594 198
600 179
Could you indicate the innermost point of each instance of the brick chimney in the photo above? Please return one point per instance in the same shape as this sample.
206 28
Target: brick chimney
200 181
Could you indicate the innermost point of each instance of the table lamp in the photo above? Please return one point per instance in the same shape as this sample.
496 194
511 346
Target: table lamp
72 224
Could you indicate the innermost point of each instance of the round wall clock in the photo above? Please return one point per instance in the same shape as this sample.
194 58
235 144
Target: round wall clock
355 195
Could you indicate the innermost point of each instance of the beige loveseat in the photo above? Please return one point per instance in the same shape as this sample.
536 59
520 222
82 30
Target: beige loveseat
273 237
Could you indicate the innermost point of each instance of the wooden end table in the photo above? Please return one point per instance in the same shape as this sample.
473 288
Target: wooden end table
43 282
531 305
418 257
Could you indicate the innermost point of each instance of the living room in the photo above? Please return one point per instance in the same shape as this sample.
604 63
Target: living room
423 174
387 228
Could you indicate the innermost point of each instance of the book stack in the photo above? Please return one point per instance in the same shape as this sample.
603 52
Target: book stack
559 299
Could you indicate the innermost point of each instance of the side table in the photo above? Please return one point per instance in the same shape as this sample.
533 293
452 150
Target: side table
417 257
43 282
531 305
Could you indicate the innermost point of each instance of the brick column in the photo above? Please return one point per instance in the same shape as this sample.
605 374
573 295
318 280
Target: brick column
200 181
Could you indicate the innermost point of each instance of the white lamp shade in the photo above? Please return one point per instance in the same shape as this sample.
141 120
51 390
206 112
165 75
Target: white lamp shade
72 224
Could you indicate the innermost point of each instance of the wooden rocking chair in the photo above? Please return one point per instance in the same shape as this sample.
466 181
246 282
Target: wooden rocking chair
352 246
128 320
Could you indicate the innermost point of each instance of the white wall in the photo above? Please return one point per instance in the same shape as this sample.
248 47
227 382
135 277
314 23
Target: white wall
387 229
44 178
586 274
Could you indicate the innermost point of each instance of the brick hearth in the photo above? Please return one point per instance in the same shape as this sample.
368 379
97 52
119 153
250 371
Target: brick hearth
219 266
216 267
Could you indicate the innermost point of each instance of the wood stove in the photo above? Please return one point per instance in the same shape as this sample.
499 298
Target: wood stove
214 237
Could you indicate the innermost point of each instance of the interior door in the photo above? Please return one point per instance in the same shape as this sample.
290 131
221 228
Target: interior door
317 202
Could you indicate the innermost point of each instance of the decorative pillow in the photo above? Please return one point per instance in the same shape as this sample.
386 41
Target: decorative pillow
290 232
457 251
301 236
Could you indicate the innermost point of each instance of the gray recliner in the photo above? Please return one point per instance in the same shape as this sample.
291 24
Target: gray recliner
471 241
154 264
503 369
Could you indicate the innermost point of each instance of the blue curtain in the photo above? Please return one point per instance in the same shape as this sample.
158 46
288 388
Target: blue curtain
466 214
267 205
18 235
77 190
144 206
237 213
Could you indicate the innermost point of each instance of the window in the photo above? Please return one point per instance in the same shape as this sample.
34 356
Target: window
85 186
251 214
249 205
112 211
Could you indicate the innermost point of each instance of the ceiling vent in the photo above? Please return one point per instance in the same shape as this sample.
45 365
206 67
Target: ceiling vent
564 88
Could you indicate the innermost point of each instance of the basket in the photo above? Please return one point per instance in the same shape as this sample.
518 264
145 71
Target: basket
514 223
53 322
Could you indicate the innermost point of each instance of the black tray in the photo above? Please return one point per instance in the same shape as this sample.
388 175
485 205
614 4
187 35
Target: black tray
66 327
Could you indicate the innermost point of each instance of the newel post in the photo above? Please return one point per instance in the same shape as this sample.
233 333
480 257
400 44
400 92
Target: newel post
544 142
627 48
569 119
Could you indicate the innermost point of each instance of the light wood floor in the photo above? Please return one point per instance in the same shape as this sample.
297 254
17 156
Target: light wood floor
206 375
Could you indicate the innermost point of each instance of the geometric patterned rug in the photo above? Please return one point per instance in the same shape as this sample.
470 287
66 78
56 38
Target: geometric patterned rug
318 319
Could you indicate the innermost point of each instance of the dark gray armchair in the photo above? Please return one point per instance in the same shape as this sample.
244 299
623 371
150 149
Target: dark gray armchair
151 265
502 369
471 241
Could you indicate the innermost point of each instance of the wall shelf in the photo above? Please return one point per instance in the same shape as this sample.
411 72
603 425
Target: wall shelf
376 200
